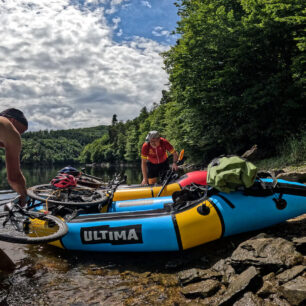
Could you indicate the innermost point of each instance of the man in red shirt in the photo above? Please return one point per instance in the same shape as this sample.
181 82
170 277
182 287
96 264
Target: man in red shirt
154 157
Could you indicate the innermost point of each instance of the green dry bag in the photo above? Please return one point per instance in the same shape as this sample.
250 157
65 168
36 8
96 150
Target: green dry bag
228 173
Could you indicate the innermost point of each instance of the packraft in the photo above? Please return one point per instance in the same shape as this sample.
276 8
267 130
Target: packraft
178 223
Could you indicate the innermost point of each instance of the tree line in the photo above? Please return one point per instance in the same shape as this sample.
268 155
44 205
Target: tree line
236 78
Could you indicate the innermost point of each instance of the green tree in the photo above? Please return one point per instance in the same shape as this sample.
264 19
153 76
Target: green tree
235 73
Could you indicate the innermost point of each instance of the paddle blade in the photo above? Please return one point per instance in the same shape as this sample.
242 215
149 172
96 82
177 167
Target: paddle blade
181 155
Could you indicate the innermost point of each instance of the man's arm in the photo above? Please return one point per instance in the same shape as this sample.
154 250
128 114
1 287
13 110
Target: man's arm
12 156
144 172
175 158
172 151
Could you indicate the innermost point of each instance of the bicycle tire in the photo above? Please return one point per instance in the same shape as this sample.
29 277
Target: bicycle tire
85 180
98 196
41 228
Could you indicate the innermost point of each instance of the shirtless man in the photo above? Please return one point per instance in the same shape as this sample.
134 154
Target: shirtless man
12 124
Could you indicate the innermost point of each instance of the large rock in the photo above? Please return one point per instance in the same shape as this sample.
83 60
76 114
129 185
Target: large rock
202 289
269 254
248 280
295 291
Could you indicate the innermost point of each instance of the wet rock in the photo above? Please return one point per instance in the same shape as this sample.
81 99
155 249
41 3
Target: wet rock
195 275
201 289
269 254
250 299
290 274
248 280
295 291
292 176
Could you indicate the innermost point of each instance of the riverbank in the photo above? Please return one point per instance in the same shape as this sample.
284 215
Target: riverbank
265 267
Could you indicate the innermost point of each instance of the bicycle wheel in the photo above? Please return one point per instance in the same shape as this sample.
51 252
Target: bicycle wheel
88 181
30 228
68 197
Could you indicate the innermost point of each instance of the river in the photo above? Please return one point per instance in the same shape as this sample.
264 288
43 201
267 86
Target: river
46 275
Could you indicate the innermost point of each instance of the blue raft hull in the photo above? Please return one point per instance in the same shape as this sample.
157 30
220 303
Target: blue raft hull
158 225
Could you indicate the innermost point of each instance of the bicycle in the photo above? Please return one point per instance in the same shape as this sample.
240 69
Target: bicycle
78 196
24 225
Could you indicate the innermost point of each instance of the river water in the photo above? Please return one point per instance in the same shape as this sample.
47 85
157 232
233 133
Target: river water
46 275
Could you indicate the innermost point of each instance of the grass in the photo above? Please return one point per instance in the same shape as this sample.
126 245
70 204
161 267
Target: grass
292 155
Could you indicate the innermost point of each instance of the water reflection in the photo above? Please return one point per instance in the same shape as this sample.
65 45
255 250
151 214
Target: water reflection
36 175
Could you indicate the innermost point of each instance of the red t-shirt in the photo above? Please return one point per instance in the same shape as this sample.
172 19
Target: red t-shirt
159 154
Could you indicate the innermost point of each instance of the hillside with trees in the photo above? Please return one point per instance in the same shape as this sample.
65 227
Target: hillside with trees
61 146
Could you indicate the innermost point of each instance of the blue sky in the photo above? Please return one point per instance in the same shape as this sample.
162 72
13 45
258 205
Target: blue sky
151 19
71 64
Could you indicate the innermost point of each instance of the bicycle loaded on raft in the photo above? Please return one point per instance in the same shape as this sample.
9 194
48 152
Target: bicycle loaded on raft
77 211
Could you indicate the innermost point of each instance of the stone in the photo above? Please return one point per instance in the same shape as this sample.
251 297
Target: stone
201 289
249 299
195 275
225 269
289 274
295 291
248 280
275 300
268 253
269 287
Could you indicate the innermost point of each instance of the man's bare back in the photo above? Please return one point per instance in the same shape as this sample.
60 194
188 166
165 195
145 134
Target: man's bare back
12 124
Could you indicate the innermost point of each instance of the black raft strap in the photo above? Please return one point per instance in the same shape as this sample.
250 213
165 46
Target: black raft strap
283 188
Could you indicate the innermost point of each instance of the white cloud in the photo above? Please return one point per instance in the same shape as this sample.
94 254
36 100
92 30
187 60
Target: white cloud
159 31
63 69
114 4
146 3
116 22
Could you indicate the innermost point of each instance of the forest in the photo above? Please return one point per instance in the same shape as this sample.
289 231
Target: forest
236 78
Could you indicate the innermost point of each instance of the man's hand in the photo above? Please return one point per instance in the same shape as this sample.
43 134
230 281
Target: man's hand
174 167
144 182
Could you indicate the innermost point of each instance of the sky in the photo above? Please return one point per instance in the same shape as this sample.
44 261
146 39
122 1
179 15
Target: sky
74 63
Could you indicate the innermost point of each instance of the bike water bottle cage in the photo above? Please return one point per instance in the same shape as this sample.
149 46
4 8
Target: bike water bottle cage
70 170
64 181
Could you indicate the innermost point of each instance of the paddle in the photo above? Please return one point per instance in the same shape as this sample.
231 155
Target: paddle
167 179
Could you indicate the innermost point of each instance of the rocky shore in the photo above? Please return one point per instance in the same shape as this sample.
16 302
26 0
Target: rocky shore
267 269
